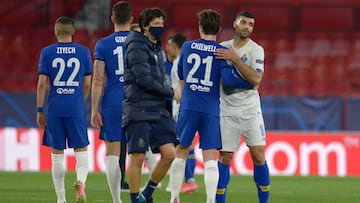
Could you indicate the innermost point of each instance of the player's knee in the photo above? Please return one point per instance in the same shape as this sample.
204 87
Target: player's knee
226 157
258 160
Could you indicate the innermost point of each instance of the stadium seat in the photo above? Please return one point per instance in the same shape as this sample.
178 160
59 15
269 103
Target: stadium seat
340 48
82 37
337 76
268 88
56 10
225 34
325 3
71 7
319 77
320 47
269 18
262 2
190 19
302 43
282 42
326 18
353 75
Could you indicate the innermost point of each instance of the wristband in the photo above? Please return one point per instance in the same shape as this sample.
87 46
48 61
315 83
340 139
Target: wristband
40 109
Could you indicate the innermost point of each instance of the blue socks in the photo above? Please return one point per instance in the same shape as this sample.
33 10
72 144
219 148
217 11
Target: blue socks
190 165
224 179
262 180
133 197
149 189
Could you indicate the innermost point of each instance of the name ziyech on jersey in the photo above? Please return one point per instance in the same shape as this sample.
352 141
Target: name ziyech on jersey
65 50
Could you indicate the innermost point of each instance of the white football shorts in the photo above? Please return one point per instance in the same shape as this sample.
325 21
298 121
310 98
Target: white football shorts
233 127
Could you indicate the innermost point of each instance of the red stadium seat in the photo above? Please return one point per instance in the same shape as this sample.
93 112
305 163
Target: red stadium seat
225 34
319 77
185 15
353 75
269 18
326 18
268 88
320 47
340 48
302 43
325 3
82 37
337 76
282 42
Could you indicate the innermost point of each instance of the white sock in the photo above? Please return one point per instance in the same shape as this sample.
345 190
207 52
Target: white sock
177 172
150 159
81 166
58 176
113 176
211 179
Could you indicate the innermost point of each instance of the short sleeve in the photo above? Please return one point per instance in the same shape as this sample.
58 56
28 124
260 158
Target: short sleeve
258 56
42 67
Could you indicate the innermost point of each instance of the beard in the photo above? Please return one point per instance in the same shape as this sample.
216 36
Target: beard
243 34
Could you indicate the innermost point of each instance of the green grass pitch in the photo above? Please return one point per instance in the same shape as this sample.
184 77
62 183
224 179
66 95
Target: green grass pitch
35 187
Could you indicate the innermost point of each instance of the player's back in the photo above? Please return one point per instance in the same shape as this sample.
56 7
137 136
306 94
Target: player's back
200 71
111 50
65 64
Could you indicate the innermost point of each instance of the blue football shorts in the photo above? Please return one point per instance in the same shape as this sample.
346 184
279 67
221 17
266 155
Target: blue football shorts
66 131
111 129
141 135
207 125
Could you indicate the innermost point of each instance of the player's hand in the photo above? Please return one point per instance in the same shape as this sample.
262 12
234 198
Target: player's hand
96 119
177 96
41 120
226 54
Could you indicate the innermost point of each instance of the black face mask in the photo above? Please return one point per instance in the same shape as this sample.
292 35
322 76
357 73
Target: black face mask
157 32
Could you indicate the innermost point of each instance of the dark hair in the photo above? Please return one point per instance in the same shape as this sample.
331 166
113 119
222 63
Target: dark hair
178 39
65 25
210 21
122 12
149 14
245 14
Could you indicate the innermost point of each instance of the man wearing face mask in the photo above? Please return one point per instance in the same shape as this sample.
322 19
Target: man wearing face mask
145 118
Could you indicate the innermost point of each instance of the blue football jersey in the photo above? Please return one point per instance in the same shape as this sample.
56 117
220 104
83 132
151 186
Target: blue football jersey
201 73
111 50
65 64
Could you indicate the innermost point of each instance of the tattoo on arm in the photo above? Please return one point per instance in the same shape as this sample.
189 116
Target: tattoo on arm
99 73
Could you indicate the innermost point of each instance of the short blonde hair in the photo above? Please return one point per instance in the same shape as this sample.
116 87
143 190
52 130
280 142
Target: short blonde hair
65 26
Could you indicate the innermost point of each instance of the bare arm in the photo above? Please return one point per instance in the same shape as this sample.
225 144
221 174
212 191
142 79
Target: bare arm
40 98
86 86
96 91
247 72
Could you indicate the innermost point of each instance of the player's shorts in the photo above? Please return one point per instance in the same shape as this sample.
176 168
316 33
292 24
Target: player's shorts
251 127
141 135
206 124
66 130
111 129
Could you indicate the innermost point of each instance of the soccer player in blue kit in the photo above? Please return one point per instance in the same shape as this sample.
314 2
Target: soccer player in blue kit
200 72
67 66
109 56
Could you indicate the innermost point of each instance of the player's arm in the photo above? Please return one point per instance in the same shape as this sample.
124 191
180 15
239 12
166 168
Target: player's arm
96 91
86 86
231 78
40 98
247 72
